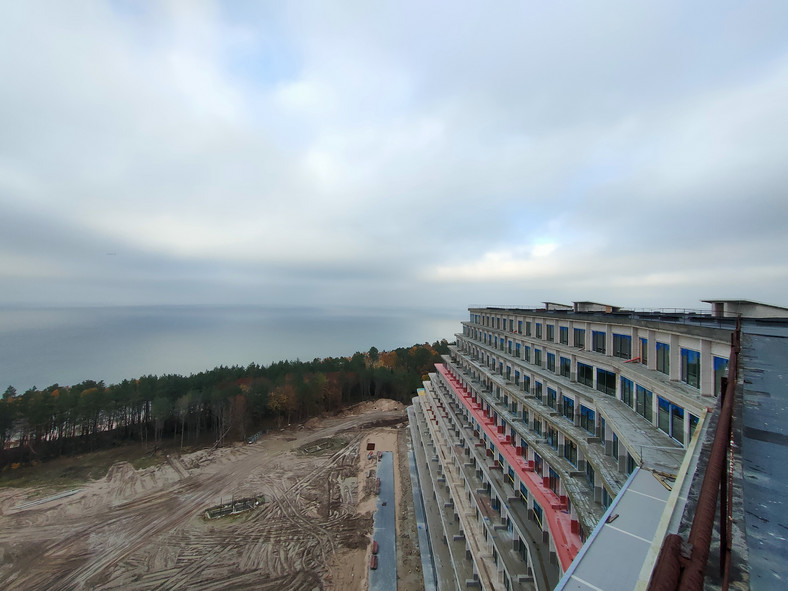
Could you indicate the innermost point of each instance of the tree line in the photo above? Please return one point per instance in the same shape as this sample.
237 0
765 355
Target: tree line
225 403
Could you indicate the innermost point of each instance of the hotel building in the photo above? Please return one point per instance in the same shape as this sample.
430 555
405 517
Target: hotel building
540 419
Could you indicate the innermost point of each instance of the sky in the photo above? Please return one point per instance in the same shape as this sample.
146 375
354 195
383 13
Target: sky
408 154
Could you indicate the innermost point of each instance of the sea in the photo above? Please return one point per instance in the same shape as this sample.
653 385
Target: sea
40 347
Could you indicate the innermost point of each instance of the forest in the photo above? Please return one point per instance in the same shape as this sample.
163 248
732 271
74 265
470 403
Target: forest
220 405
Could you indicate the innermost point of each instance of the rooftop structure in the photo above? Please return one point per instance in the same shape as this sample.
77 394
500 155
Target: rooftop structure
563 443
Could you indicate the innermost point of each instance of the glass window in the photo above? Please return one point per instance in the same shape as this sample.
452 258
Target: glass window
538 357
622 346
693 424
553 480
663 357
585 374
720 371
550 332
598 341
551 397
606 381
526 383
615 445
527 354
517 349
551 362
590 476
538 390
644 351
538 330
677 423
588 419
537 427
565 366
528 329
580 338
643 402
552 437
568 408
570 451
520 326
563 335
663 415
690 367
627 388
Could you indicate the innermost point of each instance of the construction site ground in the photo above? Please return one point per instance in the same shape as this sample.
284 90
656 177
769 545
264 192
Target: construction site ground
146 529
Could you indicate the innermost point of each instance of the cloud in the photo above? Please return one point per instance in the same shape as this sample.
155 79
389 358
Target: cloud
401 153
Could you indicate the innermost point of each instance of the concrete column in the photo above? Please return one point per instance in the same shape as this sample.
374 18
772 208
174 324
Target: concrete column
706 369
675 358
652 350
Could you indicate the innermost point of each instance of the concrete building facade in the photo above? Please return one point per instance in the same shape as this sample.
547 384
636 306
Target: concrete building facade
538 419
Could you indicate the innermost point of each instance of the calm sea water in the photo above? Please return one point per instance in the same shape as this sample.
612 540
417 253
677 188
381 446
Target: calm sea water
43 346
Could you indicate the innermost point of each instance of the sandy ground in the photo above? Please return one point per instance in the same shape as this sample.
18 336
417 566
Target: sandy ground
141 530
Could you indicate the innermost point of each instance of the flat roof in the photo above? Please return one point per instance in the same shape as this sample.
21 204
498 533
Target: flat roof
615 551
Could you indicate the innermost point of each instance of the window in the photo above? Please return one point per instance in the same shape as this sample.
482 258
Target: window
615 446
509 347
551 362
643 402
538 357
588 419
606 498
563 335
525 418
671 419
590 476
627 387
538 390
552 437
520 326
663 357
508 372
526 383
504 323
622 346
693 423
568 408
644 351
598 341
690 367
551 332
720 371
538 330
527 354
517 348
498 322
585 374
606 381
537 514
565 366
602 430
528 329
580 338
553 480
551 397
538 465
516 378
537 427
631 465
570 451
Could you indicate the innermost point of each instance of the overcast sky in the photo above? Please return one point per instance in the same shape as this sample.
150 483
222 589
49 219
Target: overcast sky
399 153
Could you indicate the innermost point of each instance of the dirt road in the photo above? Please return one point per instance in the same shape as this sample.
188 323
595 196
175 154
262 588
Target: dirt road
146 530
